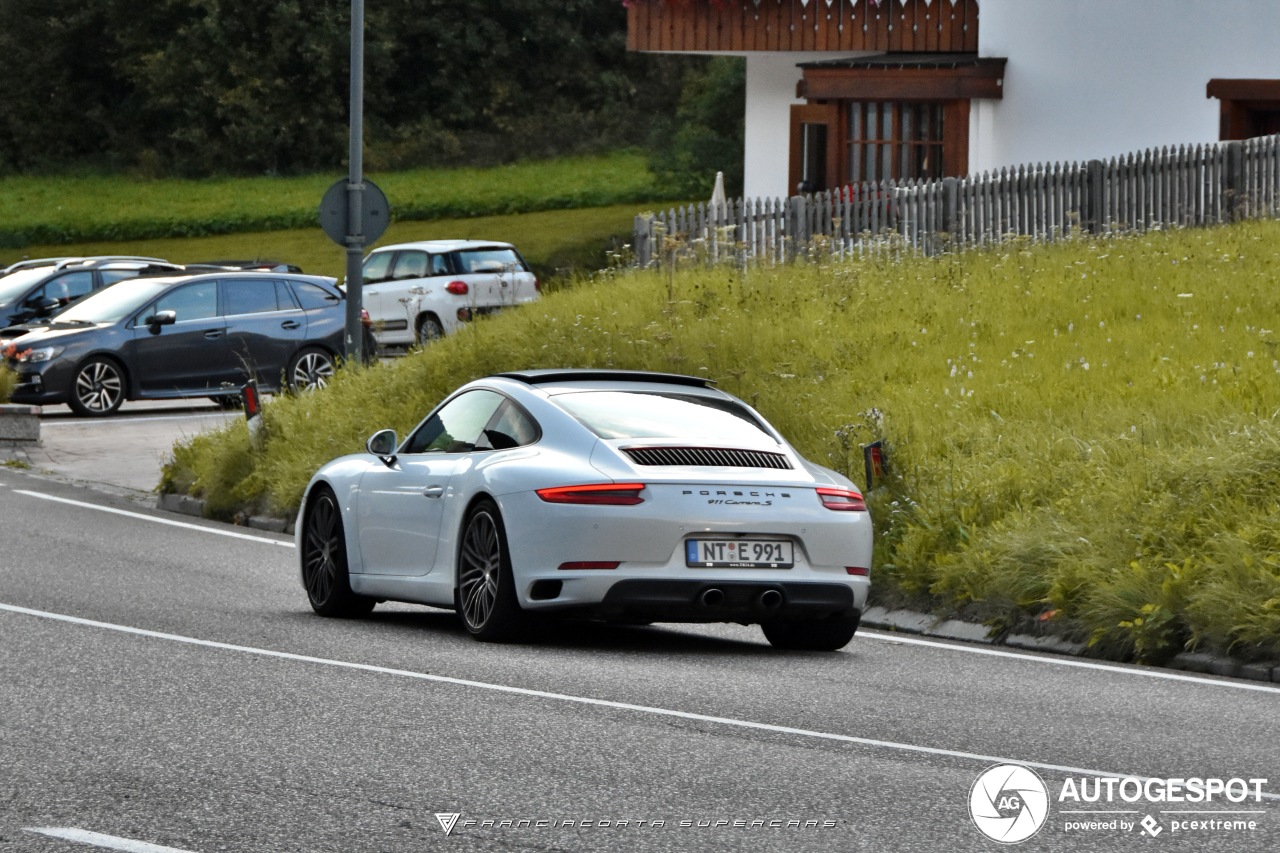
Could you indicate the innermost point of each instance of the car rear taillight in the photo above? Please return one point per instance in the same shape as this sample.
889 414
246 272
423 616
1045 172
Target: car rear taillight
458 288
610 494
842 500
537 285
858 571
582 565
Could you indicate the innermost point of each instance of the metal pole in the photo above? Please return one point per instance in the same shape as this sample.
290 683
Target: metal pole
355 187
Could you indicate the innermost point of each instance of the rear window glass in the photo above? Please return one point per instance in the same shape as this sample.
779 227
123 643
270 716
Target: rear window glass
637 414
489 260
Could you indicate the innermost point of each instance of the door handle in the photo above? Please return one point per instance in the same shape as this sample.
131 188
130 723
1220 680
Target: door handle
290 324
433 491
370 292
213 334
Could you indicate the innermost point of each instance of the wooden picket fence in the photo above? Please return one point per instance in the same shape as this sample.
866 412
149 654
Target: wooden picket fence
1158 188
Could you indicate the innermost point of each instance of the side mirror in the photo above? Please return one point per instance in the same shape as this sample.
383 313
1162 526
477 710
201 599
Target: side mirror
382 444
162 318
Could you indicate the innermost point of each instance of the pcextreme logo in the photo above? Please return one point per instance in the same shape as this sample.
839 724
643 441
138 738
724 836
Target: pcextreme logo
1009 803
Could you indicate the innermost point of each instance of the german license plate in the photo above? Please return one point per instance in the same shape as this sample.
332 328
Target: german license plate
738 554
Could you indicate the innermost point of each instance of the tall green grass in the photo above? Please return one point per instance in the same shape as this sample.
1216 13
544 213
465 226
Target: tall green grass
1084 438
64 209
8 379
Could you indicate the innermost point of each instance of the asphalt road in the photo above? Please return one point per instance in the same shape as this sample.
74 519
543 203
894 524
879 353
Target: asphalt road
163 685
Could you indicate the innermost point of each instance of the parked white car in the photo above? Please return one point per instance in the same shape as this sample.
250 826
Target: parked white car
416 292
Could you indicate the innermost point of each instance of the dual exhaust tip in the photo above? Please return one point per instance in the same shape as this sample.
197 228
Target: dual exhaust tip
768 601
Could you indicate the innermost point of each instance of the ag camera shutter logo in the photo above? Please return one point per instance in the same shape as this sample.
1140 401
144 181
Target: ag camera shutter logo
1009 803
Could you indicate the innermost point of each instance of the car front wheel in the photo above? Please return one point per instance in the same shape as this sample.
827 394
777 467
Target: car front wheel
324 561
98 388
485 595
820 635
310 369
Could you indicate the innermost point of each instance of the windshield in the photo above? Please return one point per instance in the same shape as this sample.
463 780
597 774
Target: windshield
17 283
113 304
637 414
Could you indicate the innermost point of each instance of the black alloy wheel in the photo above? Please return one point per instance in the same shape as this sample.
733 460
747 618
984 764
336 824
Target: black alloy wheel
324 561
485 595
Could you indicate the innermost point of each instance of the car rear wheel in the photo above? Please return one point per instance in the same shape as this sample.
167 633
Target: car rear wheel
821 635
324 561
428 329
485 595
310 369
98 388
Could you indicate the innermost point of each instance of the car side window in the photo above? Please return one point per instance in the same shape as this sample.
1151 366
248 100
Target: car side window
112 276
456 428
198 301
377 266
440 265
410 265
313 296
64 288
249 296
511 427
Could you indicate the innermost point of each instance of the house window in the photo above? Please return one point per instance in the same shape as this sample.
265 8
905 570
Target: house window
895 140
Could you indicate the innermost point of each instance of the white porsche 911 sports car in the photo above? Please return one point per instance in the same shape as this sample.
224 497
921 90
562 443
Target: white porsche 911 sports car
616 495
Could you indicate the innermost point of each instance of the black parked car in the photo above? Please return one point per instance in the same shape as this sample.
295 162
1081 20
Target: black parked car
169 337
33 290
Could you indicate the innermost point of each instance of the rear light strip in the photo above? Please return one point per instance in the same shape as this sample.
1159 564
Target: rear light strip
842 500
596 494
582 565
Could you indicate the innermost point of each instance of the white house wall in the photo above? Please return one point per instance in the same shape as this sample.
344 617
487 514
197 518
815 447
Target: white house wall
1085 79
1097 78
771 92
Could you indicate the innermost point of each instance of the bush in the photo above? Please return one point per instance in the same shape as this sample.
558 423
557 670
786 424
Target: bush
8 379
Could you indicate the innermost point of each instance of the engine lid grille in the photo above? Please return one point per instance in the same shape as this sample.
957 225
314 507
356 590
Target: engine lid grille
707 457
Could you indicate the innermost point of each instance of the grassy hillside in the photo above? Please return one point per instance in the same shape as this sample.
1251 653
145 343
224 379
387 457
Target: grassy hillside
1084 438
58 210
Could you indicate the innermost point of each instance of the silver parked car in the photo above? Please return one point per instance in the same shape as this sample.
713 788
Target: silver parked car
615 495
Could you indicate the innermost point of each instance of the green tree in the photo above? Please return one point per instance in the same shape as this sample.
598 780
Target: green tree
706 134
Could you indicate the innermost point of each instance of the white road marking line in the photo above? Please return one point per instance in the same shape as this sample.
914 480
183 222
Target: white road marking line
1066 661
97 839
579 700
233 534
887 637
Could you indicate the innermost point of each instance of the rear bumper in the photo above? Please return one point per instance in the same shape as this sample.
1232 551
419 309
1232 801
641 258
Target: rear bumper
745 602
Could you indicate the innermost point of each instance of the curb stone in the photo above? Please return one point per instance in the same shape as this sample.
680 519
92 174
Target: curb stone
911 622
187 505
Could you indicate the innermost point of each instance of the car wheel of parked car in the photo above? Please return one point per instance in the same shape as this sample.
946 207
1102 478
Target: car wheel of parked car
324 561
822 635
98 388
310 369
428 329
485 594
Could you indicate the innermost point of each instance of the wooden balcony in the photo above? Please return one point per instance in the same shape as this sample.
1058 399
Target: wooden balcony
916 26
